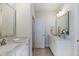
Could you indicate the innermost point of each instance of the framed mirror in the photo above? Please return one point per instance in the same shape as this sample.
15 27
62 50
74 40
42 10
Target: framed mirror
63 24
7 26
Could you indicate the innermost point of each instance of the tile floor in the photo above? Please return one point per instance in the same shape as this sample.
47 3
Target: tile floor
42 52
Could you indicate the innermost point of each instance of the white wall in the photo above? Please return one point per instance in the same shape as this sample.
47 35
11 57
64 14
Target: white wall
49 20
24 22
0 20
72 28
74 12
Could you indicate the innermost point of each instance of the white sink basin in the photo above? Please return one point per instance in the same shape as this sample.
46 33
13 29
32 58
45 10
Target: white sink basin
21 40
12 45
5 49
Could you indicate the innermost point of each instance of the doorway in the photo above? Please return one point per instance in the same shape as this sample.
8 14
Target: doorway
39 33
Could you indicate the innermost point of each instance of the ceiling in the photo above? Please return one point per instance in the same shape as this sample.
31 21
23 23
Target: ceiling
47 6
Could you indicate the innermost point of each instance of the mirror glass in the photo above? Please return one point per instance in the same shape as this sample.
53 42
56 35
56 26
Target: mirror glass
7 20
63 24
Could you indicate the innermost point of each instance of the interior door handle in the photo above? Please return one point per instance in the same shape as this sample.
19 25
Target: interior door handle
77 40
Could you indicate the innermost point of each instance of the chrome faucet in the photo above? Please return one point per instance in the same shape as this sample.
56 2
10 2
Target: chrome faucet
64 33
3 42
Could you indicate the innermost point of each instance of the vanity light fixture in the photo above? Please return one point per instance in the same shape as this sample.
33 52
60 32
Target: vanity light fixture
62 12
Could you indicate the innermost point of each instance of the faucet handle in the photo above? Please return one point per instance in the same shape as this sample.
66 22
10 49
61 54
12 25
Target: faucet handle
3 42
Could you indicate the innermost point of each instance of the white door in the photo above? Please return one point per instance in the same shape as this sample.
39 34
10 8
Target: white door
76 30
39 33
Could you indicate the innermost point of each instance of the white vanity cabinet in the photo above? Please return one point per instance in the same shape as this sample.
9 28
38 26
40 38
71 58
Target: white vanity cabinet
60 47
22 50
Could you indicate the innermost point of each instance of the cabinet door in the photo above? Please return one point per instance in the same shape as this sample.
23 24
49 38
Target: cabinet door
23 50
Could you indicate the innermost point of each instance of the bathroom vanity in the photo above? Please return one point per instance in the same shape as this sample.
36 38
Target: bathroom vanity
15 47
60 46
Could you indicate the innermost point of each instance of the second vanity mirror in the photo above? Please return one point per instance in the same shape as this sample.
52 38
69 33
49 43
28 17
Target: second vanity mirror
7 20
63 25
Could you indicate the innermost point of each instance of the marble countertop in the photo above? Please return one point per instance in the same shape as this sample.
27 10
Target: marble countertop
12 44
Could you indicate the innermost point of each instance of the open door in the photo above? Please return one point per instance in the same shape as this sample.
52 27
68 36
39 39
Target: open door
39 33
